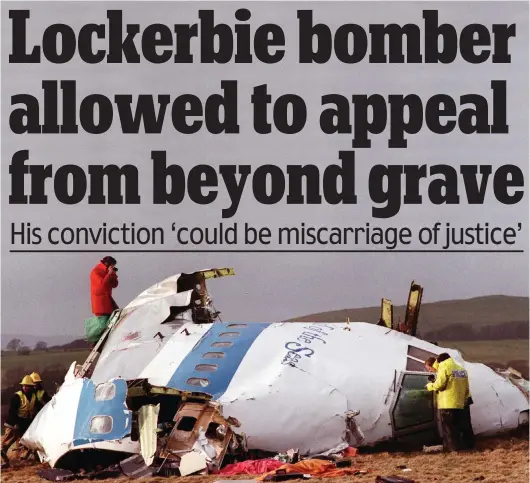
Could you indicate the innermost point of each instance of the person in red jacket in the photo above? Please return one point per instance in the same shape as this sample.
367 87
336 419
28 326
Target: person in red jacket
103 278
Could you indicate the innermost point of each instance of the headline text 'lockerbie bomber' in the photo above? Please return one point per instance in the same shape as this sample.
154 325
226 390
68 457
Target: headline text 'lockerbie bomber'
115 42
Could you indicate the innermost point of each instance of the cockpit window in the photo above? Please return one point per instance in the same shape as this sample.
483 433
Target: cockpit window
416 358
414 405
419 354
415 365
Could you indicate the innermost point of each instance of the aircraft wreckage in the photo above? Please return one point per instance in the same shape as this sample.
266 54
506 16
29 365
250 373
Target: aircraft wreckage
169 385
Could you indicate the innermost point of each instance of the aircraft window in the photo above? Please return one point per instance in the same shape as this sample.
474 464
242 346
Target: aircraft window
414 405
101 424
216 431
420 354
229 334
236 326
213 355
105 391
197 381
206 368
415 365
414 381
187 423
222 344
211 431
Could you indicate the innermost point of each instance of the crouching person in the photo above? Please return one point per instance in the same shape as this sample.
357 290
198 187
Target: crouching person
22 408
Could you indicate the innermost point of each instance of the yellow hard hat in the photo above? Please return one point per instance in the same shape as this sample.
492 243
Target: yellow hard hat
27 381
35 377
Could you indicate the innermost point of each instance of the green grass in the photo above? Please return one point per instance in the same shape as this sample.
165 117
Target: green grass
14 365
502 351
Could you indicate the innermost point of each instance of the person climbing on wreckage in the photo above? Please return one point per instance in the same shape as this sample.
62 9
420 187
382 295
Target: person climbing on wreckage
22 409
103 279
453 398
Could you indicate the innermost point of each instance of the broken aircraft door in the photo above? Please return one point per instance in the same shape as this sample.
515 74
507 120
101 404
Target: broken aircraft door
413 309
199 427
413 412
387 314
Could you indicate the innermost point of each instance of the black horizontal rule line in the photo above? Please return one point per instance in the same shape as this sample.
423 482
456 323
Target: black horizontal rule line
264 251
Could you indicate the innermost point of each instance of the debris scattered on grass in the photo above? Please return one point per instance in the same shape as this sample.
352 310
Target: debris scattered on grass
433 449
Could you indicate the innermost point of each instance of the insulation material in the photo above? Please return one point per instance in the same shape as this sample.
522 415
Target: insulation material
204 447
147 421
192 462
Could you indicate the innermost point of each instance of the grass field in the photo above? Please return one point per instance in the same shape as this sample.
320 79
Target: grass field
13 365
51 366
36 359
495 460
501 351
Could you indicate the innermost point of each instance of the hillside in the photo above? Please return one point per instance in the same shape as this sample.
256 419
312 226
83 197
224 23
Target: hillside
30 340
479 318
486 318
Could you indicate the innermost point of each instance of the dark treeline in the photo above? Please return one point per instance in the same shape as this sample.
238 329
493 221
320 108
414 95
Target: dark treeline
74 345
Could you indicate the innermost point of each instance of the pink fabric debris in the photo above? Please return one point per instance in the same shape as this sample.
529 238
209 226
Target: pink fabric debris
251 467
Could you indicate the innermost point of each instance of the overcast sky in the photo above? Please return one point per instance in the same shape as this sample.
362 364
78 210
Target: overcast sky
48 294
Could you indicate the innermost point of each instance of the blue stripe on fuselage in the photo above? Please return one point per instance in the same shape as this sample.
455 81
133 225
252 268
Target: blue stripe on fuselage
226 366
88 408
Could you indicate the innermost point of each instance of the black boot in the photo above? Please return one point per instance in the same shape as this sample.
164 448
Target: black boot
5 464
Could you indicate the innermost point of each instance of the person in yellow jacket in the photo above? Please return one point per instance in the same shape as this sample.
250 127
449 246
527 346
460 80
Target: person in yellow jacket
22 408
452 397
40 392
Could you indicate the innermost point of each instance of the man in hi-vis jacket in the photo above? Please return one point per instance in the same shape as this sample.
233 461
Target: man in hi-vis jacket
22 409
452 397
